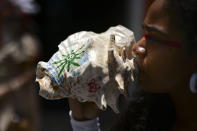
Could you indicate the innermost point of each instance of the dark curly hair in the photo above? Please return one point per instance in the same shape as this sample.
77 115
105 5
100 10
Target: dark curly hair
156 112
186 10
147 112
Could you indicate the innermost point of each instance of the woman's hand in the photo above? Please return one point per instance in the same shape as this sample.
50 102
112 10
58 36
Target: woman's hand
82 111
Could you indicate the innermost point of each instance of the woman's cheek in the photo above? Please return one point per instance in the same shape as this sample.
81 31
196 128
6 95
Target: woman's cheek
156 72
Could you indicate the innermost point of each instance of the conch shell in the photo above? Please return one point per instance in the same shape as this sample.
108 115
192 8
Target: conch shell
90 67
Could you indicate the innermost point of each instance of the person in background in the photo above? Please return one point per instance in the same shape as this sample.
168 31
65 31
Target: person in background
19 50
166 96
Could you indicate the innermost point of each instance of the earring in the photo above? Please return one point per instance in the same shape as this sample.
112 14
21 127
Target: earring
193 83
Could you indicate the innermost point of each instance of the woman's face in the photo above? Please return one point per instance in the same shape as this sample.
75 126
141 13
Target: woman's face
163 65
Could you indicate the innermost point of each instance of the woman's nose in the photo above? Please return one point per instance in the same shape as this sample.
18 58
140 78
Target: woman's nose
139 48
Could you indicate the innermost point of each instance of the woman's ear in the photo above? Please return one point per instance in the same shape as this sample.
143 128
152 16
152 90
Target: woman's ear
195 64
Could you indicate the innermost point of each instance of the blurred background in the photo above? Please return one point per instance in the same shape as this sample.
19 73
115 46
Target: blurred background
30 31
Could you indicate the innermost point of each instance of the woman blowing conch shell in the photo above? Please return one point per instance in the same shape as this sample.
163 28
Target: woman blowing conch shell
90 67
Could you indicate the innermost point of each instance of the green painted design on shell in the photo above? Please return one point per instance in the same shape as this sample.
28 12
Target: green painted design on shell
69 60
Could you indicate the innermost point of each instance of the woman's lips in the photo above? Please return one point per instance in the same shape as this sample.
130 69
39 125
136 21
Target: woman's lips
138 69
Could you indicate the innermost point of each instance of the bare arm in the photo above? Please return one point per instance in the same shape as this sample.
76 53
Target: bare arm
83 111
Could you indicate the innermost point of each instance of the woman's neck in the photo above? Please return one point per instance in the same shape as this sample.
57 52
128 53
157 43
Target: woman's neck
186 109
